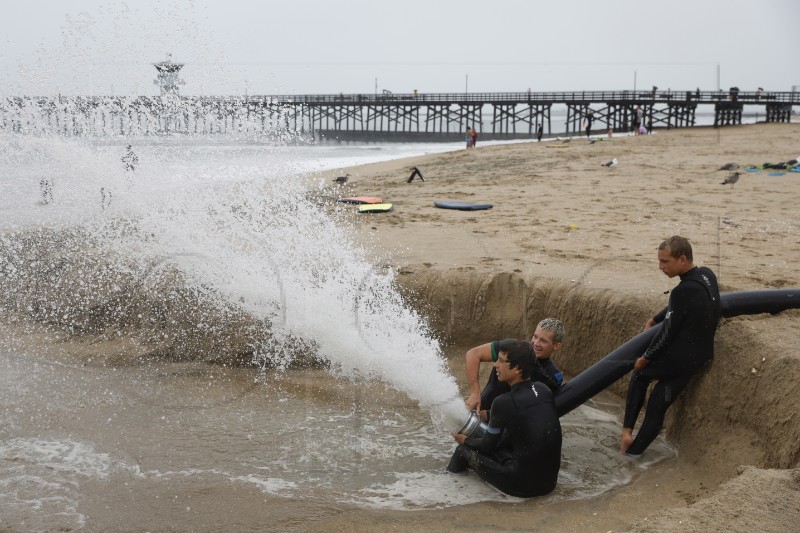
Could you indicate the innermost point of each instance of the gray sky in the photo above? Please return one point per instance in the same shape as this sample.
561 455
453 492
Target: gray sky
319 46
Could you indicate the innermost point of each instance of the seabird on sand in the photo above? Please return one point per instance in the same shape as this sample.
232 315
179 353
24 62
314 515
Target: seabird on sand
729 166
610 164
341 179
732 179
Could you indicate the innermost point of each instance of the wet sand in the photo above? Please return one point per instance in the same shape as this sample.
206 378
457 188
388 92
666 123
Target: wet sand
571 238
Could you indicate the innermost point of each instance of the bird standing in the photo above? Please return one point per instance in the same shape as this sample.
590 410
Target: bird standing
732 179
610 164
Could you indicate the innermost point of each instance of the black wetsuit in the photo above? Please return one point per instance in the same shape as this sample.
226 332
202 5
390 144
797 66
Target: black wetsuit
589 120
683 347
520 454
546 371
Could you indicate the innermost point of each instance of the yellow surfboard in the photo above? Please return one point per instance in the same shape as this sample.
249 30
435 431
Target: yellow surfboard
375 208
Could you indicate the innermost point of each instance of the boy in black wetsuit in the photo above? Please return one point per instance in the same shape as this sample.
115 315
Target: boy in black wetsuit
520 454
546 341
683 347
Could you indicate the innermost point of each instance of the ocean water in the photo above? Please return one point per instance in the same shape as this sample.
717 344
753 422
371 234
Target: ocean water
207 320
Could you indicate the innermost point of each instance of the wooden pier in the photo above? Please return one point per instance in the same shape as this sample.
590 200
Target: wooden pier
385 116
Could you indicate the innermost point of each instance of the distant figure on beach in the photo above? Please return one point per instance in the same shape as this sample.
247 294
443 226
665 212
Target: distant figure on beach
468 138
414 173
105 198
638 120
539 131
546 340
474 138
520 453
587 122
650 124
46 187
682 348
130 159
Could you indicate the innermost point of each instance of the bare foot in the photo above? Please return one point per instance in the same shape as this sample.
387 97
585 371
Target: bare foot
626 441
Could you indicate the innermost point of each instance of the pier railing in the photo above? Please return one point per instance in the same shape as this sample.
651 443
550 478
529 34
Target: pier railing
557 97
442 116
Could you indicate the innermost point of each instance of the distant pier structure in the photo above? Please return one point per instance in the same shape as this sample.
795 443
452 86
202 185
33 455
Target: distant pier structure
385 116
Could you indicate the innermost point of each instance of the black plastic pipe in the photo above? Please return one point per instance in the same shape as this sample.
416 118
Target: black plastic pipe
619 362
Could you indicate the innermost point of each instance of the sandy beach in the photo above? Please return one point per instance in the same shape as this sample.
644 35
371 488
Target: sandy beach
571 238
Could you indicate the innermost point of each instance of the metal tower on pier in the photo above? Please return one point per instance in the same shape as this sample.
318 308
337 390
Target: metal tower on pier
168 79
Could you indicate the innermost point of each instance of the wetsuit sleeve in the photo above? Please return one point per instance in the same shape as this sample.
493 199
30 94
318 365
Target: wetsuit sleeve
660 316
502 411
500 346
679 305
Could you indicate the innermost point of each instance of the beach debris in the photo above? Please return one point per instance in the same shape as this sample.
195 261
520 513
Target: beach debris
729 166
732 179
414 173
610 164
341 179
730 222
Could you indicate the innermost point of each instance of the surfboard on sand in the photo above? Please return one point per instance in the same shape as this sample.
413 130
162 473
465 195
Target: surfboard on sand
461 206
360 200
375 208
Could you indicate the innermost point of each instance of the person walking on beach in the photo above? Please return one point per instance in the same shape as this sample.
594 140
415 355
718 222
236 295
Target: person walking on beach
474 138
130 159
587 122
468 138
682 348
46 187
520 453
539 132
546 340
639 118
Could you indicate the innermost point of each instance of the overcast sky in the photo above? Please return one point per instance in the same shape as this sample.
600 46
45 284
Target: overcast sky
358 46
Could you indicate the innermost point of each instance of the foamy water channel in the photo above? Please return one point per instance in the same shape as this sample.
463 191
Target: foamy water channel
75 438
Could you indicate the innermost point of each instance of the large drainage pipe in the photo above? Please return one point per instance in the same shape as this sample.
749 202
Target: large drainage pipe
619 362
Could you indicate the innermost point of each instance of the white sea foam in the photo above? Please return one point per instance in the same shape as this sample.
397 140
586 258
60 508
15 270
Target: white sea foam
45 476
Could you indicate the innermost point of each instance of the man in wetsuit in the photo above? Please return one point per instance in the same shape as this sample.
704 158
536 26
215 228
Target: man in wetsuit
520 453
683 347
546 341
